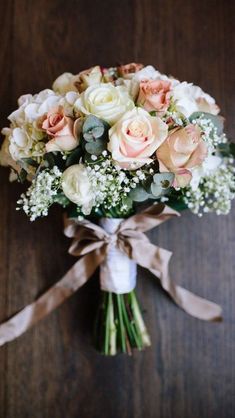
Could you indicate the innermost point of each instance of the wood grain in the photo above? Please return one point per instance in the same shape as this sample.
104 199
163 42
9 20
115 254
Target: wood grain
53 371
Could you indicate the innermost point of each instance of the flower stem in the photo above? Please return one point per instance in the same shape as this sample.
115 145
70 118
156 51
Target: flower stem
119 325
112 330
139 320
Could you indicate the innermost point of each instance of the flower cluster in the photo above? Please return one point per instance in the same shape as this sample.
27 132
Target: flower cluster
106 139
41 194
214 192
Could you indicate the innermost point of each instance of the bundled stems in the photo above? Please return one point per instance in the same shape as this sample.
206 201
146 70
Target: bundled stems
120 326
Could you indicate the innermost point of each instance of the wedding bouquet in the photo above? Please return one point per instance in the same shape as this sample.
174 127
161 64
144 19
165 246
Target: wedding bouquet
103 144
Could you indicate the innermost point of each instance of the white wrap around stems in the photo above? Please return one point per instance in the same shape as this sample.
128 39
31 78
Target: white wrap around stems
118 272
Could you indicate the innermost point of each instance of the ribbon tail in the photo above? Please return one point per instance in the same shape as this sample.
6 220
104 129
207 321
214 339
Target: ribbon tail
76 277
157 262
194 305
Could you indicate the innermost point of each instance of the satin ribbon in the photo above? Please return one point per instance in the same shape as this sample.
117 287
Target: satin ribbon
91 244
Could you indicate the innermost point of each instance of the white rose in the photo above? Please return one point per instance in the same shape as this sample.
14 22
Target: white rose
64 83
20 144
105 101
135 137
209 165
205 102
190 99
77 187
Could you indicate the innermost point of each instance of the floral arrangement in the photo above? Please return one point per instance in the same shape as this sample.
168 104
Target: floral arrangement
104 143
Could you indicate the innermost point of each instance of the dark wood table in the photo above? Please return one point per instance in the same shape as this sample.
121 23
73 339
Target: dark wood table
52 371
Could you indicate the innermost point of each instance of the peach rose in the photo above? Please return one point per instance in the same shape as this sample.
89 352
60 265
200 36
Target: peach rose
128 70
60 128
154 95
135 137
87 78
183 150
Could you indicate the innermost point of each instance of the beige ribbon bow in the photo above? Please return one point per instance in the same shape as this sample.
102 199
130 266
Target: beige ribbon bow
91 243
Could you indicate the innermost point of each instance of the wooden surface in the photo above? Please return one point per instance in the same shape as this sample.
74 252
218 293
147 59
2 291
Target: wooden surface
52 371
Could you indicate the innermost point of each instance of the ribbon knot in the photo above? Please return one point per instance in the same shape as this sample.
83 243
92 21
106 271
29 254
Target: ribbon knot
91 243
112 239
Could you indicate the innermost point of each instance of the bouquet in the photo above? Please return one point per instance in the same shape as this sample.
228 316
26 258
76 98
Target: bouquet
122 149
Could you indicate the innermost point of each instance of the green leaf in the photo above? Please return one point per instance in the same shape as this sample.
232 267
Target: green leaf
139 194
232 149
88 160
73 211
49 160
95 133
147 184
91 122
227 150
95 148
22 175
161 183
61 199
30 161
128 202
94 128
177 204
218 121
156 190
74 157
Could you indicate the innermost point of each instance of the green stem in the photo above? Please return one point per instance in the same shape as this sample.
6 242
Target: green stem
121 325
130 327
112 328
106 340
139 320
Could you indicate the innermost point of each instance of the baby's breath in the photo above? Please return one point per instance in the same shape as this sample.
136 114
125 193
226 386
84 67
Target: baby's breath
110 184
210 133
214 192
40 195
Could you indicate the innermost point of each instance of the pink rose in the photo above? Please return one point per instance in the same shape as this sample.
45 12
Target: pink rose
182 150
135 137
154 95
60 128
128 70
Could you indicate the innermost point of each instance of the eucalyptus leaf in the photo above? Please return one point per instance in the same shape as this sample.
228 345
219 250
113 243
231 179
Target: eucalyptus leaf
156 190
128 202
218 121
165 180
95 148
91 122
147 184
138 194
95 133
94 127
161 183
